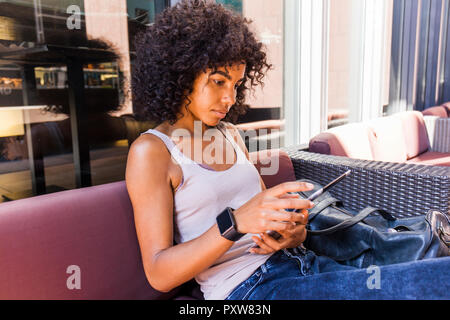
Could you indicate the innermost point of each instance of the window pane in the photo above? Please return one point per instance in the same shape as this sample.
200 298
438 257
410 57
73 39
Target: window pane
66 125
266 102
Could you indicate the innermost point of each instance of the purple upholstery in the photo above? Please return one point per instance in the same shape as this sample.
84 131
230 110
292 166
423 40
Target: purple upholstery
92 228
447 107
439 111
273 159
432 158
442 111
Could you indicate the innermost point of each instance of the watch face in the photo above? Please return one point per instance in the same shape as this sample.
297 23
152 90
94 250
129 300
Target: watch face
224 221
226 225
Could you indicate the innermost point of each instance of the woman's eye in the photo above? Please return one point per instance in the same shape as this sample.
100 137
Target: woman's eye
222 83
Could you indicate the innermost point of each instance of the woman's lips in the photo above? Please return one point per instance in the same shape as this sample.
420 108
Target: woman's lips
220 114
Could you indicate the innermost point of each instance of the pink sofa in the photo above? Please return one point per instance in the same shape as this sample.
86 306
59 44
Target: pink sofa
44 239
400 138
442 111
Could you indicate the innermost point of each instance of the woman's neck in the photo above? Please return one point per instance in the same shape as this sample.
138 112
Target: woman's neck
194 128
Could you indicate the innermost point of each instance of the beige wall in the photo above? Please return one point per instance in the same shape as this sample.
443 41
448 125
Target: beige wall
108 20
339 94
267 16
339 55
387 67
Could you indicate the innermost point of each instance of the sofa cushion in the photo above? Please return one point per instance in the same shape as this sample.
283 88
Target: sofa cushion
387 139
90 228
350 140
44 239
432 158
415 133
447 107
439 111
274 166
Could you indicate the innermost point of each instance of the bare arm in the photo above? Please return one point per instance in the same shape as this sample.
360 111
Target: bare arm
167 266
151 195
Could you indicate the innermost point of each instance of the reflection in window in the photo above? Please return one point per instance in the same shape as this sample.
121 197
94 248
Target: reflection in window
235 5
43 128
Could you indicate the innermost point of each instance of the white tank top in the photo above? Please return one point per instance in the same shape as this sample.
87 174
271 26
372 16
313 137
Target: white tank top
200 197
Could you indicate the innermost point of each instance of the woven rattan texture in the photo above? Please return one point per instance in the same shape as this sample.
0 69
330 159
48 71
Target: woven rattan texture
403 190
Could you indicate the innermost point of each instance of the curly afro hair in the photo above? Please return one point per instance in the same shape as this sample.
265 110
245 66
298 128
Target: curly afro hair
184 41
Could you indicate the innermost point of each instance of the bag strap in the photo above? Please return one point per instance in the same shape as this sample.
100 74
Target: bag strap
351 221
322 205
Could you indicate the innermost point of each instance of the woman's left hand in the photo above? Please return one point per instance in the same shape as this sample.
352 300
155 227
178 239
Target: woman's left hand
288 239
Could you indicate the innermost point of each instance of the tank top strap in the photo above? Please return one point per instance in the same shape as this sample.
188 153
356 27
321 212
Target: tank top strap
237 148
174 151
182 159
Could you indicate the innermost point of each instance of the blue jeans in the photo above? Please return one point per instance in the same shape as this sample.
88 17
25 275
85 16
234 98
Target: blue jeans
289 275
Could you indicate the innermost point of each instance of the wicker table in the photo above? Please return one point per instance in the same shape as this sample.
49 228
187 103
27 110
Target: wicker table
399 188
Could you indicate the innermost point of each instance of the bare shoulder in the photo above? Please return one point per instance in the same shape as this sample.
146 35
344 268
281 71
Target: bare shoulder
148 145
148 155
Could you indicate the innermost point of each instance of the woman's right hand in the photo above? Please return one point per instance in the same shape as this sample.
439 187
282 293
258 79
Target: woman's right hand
266 210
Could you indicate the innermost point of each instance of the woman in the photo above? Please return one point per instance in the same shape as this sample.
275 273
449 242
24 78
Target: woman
193 68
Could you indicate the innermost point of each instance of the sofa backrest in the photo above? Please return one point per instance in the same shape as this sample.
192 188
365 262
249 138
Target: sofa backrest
274 166
415 133
438 111
387 139
49 244
395 138
446 105
46 242
442 111
350 140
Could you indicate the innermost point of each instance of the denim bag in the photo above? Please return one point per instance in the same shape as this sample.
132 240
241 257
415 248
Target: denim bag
361 239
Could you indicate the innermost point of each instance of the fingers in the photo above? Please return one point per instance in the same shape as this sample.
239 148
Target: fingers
290 186
283 203
286 216
297 229
290 239
290 196
304 214
271 242
278 226
267 244
263 247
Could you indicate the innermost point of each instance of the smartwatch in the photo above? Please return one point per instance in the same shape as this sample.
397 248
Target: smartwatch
227 225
